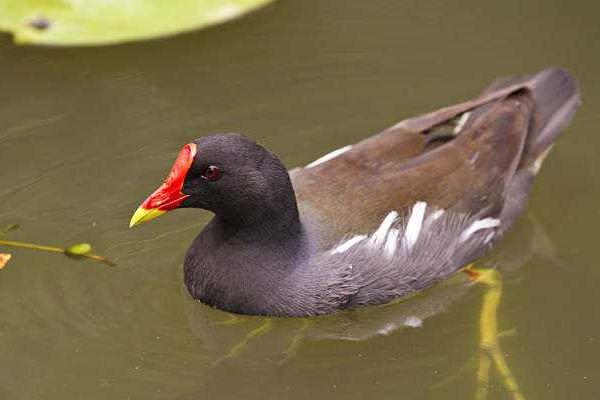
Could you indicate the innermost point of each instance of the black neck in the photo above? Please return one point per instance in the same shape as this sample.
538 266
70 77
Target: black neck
270 217
276 226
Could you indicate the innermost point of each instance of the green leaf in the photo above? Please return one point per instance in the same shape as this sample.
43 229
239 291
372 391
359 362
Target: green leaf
79 249
98 22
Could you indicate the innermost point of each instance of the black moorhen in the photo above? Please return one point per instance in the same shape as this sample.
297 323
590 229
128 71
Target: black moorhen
370 222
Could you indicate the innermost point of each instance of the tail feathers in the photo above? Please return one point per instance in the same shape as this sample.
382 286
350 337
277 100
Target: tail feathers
556 97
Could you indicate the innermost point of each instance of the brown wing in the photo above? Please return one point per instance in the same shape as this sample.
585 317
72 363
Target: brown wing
353 192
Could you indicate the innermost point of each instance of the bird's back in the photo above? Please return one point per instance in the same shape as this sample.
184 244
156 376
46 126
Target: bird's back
413 204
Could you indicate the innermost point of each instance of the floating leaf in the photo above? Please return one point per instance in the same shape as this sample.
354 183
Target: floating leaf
4 259
97 22
79 249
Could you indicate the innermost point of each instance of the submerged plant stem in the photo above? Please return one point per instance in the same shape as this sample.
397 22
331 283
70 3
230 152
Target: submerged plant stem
32 246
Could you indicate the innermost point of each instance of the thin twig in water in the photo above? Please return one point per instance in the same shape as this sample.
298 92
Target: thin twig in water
53 249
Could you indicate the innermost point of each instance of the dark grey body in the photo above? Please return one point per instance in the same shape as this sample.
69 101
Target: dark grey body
272 247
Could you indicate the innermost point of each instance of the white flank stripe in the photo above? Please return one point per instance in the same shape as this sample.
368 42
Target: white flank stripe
478 225
391 242
348 244
461 122
435 215
415 222
329 156
379 236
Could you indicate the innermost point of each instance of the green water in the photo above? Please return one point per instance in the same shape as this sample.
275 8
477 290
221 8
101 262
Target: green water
86 134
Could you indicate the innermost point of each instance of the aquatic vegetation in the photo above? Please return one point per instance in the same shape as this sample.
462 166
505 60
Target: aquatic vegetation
76 251
95 22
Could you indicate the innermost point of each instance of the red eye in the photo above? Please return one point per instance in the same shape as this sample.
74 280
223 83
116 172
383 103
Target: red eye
211 173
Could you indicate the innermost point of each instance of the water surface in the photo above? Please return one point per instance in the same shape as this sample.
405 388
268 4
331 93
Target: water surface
86 134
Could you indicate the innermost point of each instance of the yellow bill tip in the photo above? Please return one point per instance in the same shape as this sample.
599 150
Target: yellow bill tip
144 215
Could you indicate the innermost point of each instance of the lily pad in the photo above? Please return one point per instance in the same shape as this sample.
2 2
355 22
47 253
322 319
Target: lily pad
98 22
